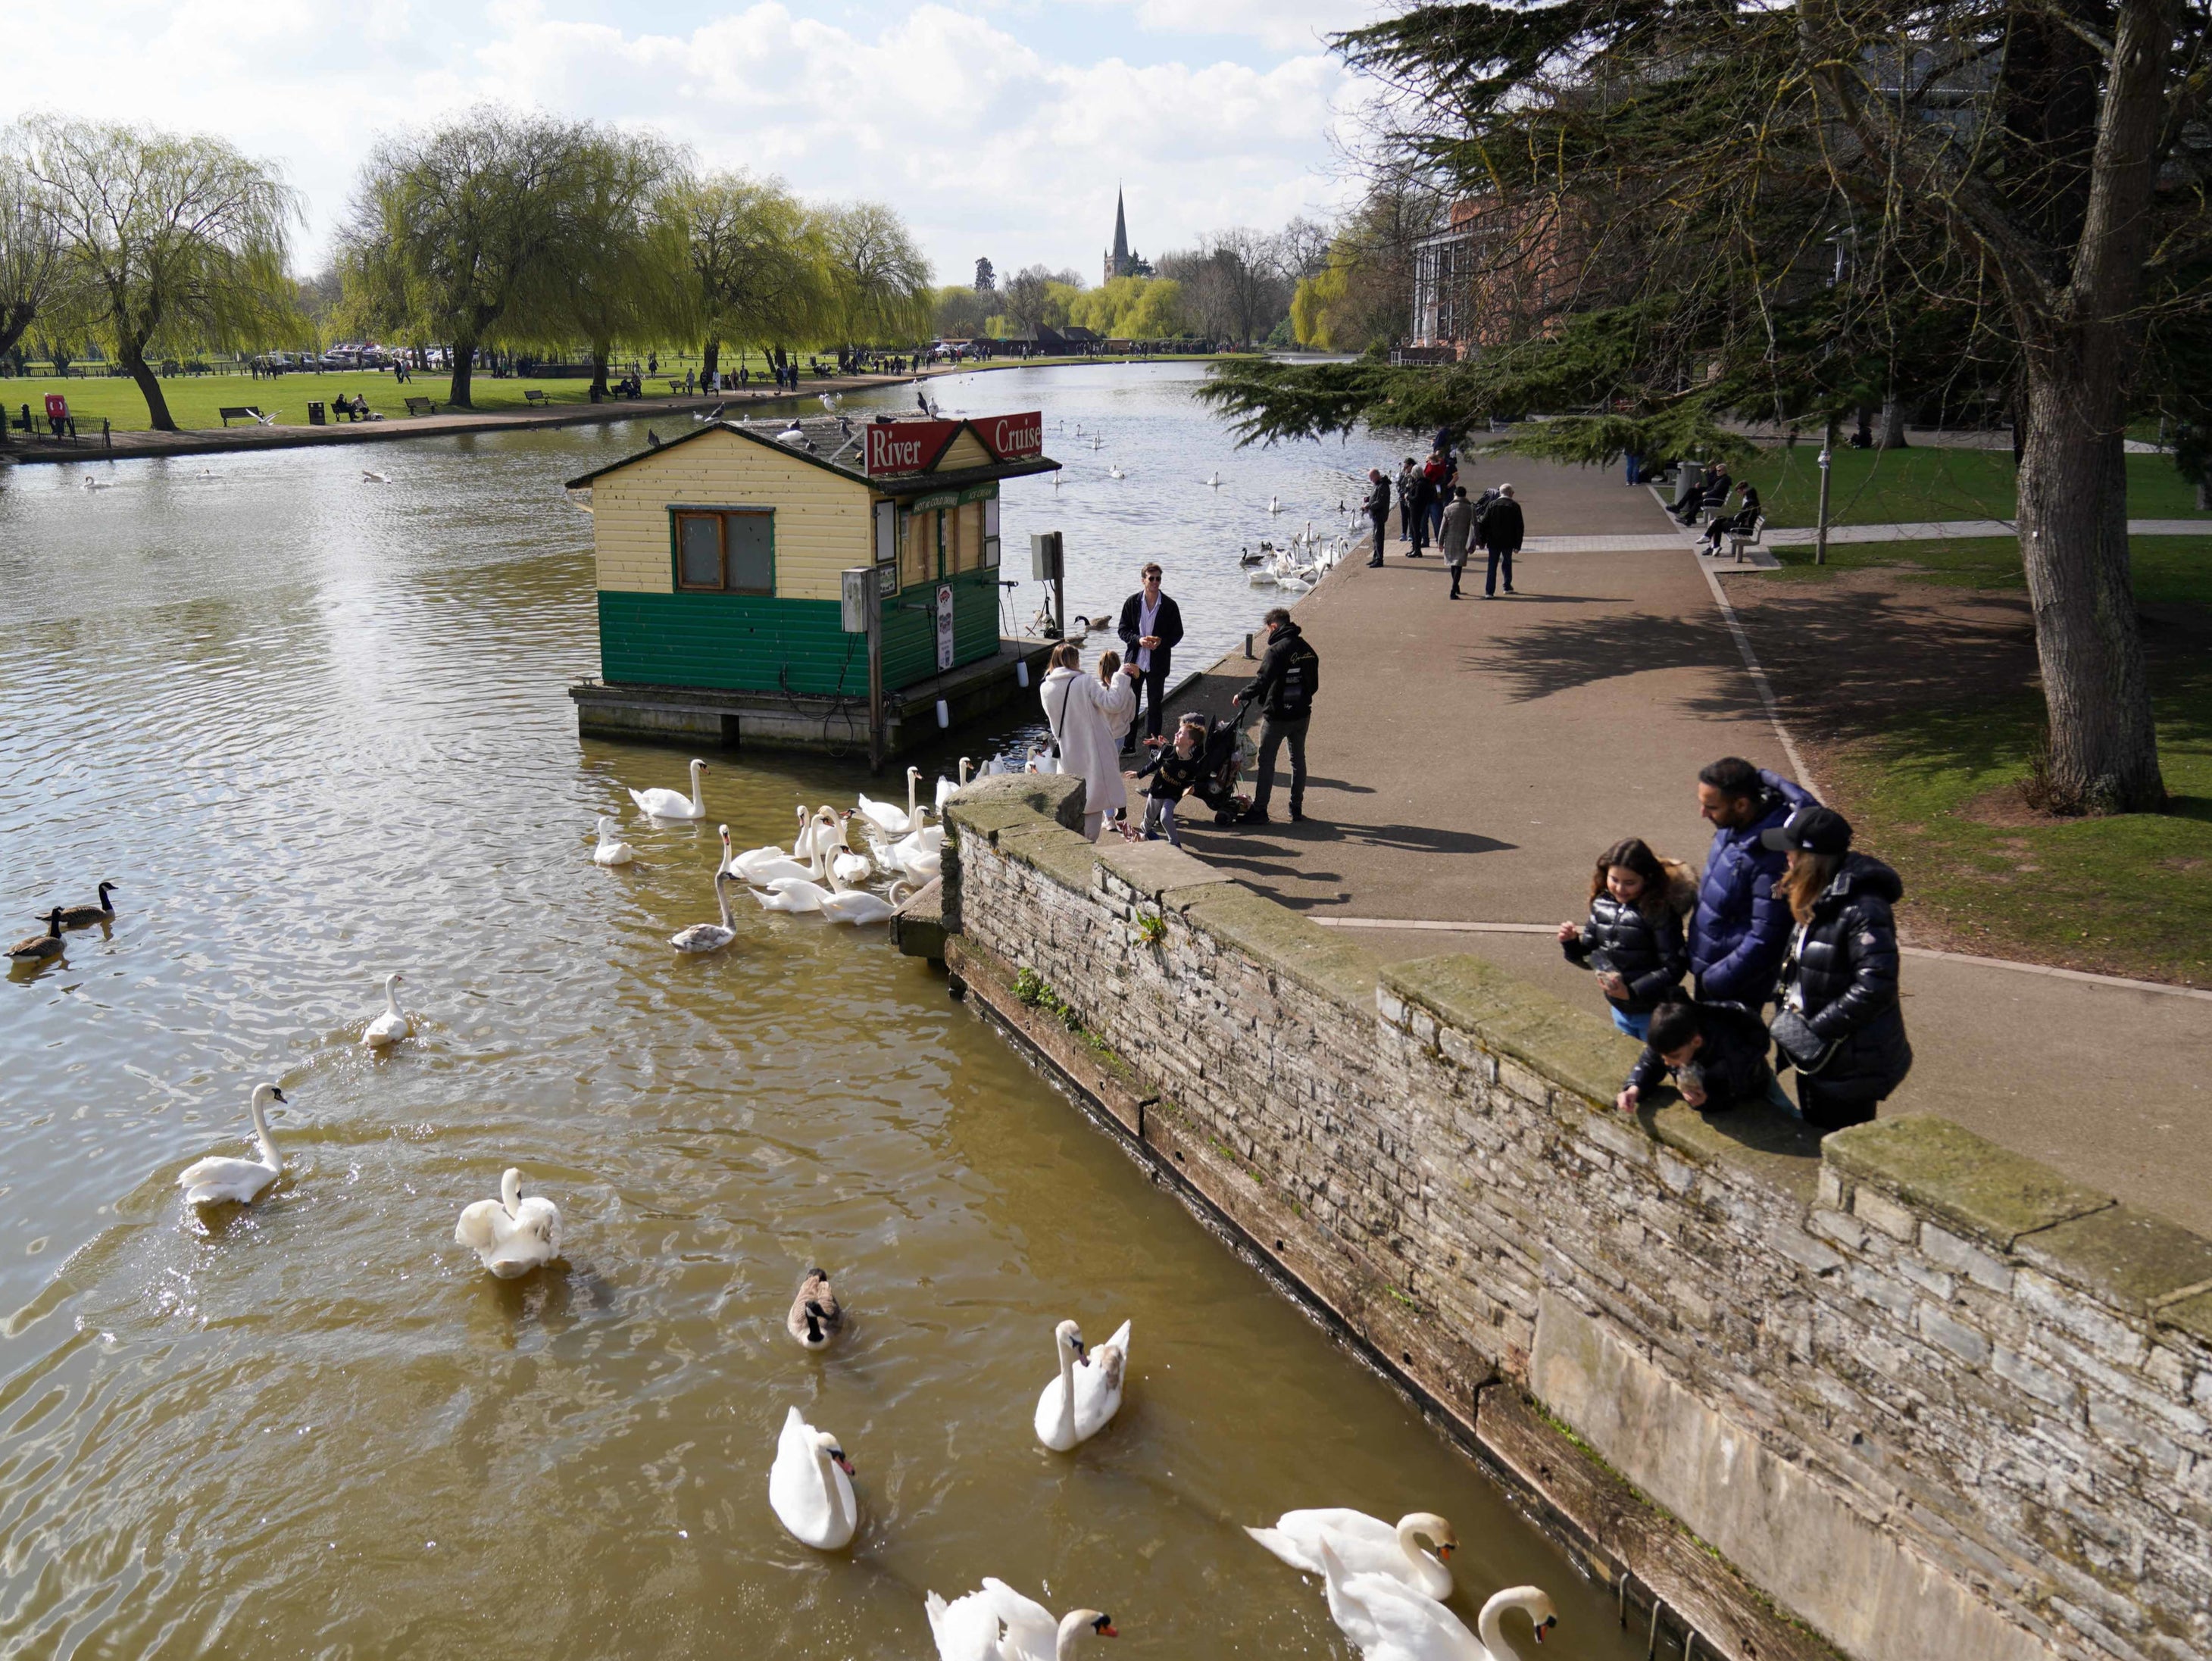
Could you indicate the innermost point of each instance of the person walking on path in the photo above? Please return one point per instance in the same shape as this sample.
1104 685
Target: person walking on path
1455 530
1086 717
1633 938
1716 1053
1424 494
1290 675
1406 476
1502 529
1740 930
1841 1025
1377 508
1151 628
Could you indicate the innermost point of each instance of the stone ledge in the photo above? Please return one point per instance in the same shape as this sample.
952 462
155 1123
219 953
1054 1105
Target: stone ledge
2127 1257
1946 1170
1569 1046
1004 800
1060 854
1153 869
1281 940
1760 1140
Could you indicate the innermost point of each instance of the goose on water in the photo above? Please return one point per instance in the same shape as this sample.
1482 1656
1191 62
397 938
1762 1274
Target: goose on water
1083 1398
389 1028
38 948
815 1319
79 917
659 803
511 1235
968 1628
711 936
217 1178
809 1487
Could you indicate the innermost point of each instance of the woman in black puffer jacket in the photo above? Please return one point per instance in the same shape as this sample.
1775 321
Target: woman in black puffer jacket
1840 1016
1633 938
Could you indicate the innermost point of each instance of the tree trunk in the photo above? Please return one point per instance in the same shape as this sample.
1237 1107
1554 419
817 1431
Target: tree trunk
598 373
2074 544
1892 425
158 417
464 358
710 363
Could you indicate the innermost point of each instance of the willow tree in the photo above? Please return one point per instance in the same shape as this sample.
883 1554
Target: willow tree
619 259
167 243
759 269
30 246
1718 209
879 279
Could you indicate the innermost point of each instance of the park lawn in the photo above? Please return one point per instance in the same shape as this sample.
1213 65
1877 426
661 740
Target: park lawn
1922 484
1935 790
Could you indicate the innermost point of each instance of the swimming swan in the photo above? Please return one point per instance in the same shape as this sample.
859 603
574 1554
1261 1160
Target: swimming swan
611 850
209 1181
1087 1393
809 1487
668 804
849 905
946 787
511 1235
392 1025
710 937
967 1629
1387 1620
815 1319
795 894
888 819
761 866
1366 1545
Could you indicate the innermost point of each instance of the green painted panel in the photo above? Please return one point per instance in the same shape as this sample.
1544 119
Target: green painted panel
749 643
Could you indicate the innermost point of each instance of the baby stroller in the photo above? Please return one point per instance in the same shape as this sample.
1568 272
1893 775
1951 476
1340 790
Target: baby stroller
1222 759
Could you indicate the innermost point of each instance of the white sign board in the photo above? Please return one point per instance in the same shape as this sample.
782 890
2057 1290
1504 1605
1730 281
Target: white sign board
944 626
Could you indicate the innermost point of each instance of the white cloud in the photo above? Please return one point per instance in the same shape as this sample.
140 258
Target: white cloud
985 129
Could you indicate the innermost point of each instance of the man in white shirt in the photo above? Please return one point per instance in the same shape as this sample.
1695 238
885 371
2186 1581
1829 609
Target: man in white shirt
1150 629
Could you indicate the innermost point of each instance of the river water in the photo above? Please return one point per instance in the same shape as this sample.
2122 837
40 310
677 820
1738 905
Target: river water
315 729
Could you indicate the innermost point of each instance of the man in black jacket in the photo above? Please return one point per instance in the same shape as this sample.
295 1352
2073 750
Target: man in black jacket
1500 529
1151 628
1716 1054
1377 507
1289 676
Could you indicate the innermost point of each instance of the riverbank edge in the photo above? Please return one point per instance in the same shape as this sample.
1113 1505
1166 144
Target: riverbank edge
1410 1130
141 443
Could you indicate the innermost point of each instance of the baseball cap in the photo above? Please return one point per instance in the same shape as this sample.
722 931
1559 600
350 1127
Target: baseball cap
1810 830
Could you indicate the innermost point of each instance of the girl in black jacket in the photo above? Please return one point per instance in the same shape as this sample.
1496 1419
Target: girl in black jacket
1840 1023
1634 935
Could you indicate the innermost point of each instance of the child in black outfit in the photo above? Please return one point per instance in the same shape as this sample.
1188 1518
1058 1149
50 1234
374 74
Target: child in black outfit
1175 770
1716 1053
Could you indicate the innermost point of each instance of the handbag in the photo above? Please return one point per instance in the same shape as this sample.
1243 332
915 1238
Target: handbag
1049 761
1801 1047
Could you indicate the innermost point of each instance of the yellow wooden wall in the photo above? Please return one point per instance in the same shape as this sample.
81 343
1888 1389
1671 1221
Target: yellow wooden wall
822 521
965 450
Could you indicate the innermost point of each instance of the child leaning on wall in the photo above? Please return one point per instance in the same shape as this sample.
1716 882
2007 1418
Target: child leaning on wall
1633 938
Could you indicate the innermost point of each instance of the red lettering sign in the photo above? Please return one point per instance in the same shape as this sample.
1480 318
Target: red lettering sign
1013 437
907 447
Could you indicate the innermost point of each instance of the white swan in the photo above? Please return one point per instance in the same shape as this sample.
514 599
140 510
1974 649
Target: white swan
1214 480
946 787
611 849
710 937
658 803
848 868
1116 473
821 831
392 1025
796 895
511 1235
1274 504
810 1488
847 905
967 1629
1366 1545
215 1179
888 819
1387 1620
375 478
1081 1402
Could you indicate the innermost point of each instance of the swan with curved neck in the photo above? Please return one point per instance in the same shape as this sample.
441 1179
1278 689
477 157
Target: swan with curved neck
759 866
657 803
511 1235
887 818
967 1629
809 1487
388 1029
215 1178
611 849
711 936
1367 1545
1388 1620
1083 1398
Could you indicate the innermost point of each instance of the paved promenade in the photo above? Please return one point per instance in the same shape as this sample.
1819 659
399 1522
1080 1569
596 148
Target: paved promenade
1471 759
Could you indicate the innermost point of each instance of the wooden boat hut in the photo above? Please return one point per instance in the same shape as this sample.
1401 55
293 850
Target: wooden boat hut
830 585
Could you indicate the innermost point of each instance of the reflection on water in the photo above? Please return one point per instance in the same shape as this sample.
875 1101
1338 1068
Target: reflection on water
314 728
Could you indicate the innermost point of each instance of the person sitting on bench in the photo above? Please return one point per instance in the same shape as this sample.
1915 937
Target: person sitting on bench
1745 521
1716 492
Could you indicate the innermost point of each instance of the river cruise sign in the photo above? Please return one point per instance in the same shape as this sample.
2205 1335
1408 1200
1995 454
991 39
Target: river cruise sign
900 448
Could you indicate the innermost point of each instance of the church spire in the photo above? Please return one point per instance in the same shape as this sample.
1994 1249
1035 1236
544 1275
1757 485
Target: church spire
1120 235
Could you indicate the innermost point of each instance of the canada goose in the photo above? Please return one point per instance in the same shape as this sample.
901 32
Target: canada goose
815 1319
39 947
78 917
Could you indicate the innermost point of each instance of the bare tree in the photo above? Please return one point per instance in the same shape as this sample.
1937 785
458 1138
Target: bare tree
30 245
1232 282
168 242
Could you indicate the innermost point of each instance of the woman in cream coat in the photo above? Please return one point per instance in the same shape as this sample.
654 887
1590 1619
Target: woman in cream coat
1088 718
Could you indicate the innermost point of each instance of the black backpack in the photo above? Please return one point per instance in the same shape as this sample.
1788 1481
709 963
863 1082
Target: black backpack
1300 679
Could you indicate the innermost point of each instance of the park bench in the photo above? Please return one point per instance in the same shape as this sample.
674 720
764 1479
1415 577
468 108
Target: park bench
421 407
535 398
231 412
1740 540
675 387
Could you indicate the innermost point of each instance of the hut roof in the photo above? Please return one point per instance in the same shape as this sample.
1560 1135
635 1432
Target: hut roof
833 443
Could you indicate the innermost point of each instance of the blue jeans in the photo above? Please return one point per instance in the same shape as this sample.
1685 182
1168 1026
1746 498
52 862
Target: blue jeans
1635 1026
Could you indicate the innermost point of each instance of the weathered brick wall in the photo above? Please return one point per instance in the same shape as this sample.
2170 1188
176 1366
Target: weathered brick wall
1935 1399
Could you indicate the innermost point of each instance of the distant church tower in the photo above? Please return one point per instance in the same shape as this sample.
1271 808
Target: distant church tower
1121 262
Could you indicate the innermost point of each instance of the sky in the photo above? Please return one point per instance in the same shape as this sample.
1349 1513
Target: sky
996 127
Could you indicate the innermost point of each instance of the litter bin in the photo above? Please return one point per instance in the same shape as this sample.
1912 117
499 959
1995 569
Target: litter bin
315 415
1690 483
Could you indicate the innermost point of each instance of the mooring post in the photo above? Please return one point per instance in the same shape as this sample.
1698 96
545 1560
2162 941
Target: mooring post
1651 1645
875 678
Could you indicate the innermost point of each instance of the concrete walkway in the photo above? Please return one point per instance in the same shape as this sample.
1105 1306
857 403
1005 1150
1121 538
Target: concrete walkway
1471 759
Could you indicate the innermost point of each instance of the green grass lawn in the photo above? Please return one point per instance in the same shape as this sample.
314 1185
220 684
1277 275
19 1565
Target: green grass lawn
1877 487
1935 790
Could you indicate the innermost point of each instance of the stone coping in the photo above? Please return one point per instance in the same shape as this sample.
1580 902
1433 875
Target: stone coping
2132 1261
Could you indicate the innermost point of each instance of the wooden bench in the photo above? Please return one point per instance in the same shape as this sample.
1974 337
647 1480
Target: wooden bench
421 407
535 398
231 412
1739 540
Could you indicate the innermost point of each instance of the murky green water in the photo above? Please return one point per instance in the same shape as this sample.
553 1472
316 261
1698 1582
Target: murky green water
315 729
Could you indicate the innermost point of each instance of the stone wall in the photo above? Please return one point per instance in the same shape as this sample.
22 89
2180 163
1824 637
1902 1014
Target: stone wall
1935 1400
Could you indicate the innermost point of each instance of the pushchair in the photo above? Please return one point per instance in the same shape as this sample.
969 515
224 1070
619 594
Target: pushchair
1221 760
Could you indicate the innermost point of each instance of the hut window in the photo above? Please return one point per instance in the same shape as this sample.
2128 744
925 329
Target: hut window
726 551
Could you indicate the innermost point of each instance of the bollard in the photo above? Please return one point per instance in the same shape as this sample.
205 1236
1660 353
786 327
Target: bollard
1248 646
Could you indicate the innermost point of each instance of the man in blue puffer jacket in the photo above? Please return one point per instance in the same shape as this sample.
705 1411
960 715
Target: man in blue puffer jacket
1741 931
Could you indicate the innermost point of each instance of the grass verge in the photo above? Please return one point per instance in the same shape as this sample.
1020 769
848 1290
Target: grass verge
1876 487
